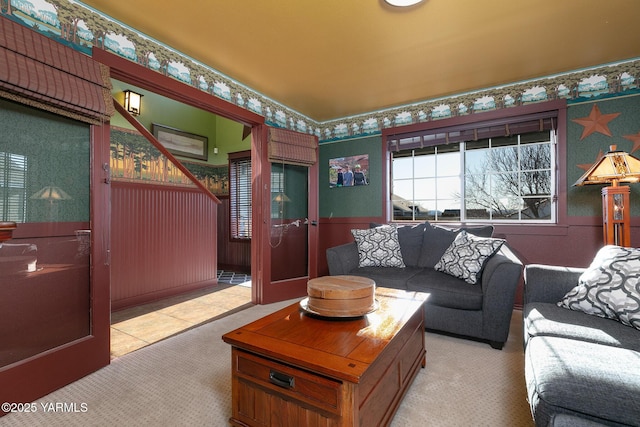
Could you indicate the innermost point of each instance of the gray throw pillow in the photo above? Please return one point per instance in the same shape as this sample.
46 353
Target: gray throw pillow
437 239
378 247
610 287
410 238
467 256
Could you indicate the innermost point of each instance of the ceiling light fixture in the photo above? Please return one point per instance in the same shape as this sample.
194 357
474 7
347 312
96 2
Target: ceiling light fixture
403 3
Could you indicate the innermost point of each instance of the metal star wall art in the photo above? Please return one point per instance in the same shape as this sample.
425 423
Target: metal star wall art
595 122
635 139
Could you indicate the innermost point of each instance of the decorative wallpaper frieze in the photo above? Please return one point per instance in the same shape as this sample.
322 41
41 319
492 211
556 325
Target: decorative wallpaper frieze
81 27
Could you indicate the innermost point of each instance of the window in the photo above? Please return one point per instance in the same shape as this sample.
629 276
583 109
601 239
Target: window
13 187
278 196
240 195
453 175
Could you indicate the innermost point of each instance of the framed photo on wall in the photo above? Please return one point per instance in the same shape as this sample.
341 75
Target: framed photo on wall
351 171
181 143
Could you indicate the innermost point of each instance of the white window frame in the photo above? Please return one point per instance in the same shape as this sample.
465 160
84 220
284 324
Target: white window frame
440 215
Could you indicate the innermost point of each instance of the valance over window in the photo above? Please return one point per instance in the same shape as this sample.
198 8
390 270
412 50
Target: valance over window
286 146
507 126
42 73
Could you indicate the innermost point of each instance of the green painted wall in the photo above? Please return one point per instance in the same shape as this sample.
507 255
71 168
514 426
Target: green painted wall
587 200
222 133
229 140
361 201
56 151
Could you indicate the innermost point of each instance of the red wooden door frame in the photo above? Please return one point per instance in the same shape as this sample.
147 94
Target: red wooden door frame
264 290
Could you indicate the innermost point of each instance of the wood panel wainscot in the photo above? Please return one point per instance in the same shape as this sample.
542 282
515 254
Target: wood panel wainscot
294 368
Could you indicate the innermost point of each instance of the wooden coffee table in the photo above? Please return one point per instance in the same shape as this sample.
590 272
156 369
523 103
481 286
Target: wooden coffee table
296 369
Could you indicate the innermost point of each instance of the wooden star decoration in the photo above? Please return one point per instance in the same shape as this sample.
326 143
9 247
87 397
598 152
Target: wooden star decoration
586 166
595 122
635 139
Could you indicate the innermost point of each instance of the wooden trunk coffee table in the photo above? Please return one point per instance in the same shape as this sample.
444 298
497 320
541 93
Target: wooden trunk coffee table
292 368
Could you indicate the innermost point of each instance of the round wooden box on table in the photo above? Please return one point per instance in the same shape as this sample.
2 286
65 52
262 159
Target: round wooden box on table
340 296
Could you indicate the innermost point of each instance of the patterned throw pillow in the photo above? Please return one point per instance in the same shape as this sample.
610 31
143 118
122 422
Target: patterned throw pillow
467 255
378 247
610 287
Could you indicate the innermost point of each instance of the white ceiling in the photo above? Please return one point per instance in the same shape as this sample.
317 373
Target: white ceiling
330 59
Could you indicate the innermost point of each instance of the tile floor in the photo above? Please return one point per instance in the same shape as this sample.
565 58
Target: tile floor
137 327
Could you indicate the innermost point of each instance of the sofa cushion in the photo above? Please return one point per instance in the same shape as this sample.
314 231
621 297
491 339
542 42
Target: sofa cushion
467 255
437 239
547 319
388 277
566 420
410 238
610 287
378 247
586 378
445 290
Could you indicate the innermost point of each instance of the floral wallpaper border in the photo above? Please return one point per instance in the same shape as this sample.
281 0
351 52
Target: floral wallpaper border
76 25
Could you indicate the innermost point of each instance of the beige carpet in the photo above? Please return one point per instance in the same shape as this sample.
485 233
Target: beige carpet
185 381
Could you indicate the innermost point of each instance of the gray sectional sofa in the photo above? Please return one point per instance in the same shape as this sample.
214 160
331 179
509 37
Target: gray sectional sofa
580 369
481 311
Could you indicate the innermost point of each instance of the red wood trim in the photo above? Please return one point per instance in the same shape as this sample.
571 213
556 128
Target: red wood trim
161 294
261 215
135 74
29 230
313 213
353 220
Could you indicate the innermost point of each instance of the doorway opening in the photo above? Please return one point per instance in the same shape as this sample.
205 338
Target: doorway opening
139 326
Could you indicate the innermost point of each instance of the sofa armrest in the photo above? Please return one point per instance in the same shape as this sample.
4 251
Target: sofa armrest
500 279
503 262
549 283
342 259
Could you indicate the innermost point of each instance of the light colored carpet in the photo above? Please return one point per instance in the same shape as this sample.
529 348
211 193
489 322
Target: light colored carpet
185 381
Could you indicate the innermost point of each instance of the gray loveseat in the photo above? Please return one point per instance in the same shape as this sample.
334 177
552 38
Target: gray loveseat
580 369
482 311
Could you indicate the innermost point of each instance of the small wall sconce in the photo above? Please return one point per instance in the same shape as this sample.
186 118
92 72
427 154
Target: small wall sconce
132 102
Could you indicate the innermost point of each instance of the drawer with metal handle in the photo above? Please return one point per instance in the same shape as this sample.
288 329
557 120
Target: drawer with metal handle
289 381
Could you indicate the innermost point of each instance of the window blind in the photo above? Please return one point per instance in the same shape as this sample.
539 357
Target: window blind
506 126
240 196
40 72
13 187
286 146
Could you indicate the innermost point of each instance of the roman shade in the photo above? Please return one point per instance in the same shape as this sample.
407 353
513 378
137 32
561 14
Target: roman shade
42 73
286 146
507 126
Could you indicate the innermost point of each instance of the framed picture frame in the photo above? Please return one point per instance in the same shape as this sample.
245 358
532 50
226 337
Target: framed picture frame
349 171
181 143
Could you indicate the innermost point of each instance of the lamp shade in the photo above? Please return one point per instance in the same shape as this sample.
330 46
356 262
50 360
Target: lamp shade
281 197
613 167
51 193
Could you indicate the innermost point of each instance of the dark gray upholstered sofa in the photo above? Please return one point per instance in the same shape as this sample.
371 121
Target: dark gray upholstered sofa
580 369
482 311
